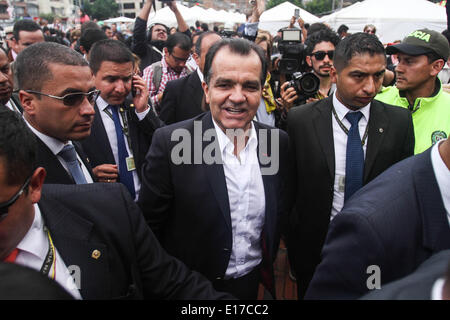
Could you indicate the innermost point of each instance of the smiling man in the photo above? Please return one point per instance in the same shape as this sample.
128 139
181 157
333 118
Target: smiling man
421 56
339 144
57 92
219 216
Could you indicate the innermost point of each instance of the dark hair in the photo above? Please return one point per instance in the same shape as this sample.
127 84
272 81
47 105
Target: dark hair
105 27
180 40
357 43
90 37
24 25
325 35
342 28
241 47
32 64
17 147
317 27
109 50
204 27
89 25
198 44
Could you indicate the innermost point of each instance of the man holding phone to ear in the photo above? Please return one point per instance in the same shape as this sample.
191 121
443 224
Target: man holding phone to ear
122 129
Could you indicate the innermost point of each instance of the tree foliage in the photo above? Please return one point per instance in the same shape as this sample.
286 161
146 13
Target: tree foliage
274 3
319 6
101 9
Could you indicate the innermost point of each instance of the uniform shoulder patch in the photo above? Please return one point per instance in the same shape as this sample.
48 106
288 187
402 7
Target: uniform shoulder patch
438 136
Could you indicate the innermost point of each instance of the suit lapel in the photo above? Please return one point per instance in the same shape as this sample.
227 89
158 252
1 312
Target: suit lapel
436 235
216 175
324 131
101 138
55 171
196 87
83 158
71 235
378 124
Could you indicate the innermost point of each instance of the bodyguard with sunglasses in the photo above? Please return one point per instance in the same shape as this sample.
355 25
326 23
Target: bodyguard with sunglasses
57 92
339 144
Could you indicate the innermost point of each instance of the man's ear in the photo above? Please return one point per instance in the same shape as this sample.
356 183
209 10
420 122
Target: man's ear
308 61
36 183
206 90
437 66
27 101
333 74
166 52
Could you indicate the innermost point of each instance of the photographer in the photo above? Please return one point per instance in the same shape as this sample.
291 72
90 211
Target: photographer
319 58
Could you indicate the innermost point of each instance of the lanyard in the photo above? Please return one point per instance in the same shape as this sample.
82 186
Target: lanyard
125 127
366 133
50 259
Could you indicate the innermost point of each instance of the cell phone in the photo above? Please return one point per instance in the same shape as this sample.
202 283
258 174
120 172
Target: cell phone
133 89
297 13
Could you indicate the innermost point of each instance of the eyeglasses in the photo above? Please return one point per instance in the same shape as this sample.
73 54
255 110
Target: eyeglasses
72 99
4 206
370 31
320 55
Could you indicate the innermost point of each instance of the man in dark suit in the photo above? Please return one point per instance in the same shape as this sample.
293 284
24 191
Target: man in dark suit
122 129
431 281
91 239
216 204
388 228
183 98
333 155
57 93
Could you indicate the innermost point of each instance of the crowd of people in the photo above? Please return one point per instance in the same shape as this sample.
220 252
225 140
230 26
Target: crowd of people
170 164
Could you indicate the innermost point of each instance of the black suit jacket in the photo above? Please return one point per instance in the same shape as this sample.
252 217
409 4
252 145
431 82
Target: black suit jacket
396 222
182 99
390 139
187 204
418 285
131 264
55 170
97 145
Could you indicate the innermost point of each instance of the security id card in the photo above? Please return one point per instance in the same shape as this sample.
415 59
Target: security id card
130 164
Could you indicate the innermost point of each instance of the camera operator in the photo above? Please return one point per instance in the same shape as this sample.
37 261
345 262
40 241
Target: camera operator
319 58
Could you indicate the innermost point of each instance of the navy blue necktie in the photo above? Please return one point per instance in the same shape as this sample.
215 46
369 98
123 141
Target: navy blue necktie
126 177
69 155
354 163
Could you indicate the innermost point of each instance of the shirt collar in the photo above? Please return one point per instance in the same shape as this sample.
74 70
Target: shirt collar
342 110
442 174
53 144
200 75
225 142
101 104
30 243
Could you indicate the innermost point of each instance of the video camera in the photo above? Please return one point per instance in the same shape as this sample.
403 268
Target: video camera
293 63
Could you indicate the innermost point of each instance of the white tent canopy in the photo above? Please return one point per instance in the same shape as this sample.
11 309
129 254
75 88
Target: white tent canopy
119 20
193 14
280 16
394 19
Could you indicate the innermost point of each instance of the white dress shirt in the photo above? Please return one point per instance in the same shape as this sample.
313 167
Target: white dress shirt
110 128
340 149
442 174
247 203
34 248
55 147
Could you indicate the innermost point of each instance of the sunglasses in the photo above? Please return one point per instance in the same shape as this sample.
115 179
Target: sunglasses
4 206
370 31
72 99
320 55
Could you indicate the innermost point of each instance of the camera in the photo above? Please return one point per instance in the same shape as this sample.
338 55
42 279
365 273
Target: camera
293 63
305 84
292 52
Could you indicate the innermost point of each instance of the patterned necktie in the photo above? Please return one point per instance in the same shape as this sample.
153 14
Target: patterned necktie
126 177
354 163
69 155
12 256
